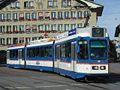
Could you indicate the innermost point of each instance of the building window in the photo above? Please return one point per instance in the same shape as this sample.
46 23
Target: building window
8 29
28 4
15 29
25 4
53 15
60 16
21 40
15 16
21 28
73 14
67 15
34 28
73 26
12 5
40 15
31 4
79 14
66 3
55 3
40 28
2 41
86 14
47 15
34 16
8 40
27 16
52 3
21 16
53 27
60 27
2 17
34 38
2 29
28 29
27 39
15 5
79 25
47 28
66 27
8 16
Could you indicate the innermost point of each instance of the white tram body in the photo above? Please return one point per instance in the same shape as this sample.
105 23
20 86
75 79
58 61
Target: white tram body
77 53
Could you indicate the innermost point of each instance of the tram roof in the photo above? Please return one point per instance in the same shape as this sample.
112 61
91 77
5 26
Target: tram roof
15 47
40 42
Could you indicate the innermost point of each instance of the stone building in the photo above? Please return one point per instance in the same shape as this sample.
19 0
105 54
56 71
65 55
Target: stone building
26 20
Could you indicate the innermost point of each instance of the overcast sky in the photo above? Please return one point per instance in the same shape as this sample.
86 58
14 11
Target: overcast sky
111 15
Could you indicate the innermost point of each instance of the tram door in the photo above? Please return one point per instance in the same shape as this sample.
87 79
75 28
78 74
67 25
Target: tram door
57 57
73 55
20 56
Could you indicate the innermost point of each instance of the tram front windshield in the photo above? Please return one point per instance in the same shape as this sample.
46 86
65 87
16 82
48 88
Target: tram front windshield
98 49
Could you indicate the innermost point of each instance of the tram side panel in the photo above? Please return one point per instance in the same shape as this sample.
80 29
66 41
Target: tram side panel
65 58
40 57
15 58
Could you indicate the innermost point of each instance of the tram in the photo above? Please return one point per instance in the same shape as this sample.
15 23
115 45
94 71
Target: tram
77 53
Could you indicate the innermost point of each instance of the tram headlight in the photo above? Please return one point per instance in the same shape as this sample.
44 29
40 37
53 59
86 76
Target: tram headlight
95 67
102 67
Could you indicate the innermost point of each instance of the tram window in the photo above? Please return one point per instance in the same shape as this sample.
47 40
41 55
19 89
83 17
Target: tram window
20 54
83 53
13 53
46 51
68 49
30 52
23 53
8 54
98 49
62 51
56 52
65 50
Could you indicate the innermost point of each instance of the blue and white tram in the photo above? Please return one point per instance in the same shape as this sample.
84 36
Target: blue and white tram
16 56
82 53
78 53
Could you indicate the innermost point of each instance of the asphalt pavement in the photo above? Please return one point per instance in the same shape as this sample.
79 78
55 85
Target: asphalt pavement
21 79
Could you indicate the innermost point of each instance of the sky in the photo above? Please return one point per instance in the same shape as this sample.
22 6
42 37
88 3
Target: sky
110 17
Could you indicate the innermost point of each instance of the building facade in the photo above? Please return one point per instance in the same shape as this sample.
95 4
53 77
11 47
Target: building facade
117 42
26 20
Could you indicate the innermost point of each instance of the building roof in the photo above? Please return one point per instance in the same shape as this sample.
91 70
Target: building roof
117 31
90 3
4 3
93 6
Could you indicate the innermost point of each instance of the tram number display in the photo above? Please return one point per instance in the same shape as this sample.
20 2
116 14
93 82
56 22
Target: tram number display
98 32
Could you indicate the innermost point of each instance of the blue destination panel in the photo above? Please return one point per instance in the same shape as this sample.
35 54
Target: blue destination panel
72 32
